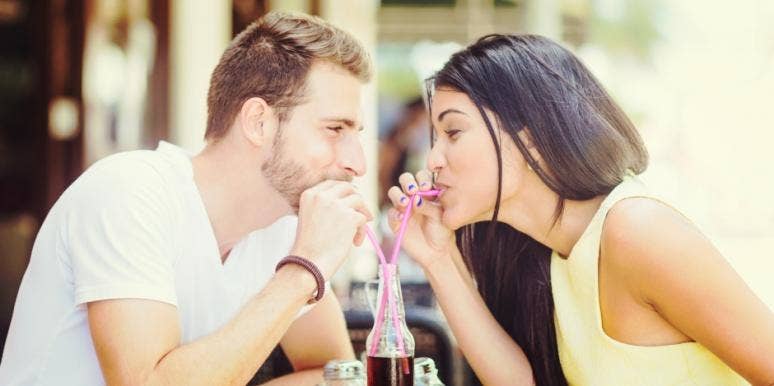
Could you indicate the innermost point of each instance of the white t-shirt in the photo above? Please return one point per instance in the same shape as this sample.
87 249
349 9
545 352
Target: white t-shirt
132 226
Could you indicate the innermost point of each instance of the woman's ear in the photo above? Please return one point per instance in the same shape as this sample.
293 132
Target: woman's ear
525 136
255 119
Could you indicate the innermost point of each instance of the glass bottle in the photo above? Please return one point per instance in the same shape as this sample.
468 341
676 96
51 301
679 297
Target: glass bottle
391 361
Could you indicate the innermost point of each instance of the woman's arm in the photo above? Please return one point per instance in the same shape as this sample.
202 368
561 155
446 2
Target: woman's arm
459 263
492 353
676 270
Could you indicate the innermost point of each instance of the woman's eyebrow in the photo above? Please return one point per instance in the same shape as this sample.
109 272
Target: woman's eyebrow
449 111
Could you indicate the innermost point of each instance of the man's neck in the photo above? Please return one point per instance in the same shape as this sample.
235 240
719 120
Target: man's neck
236 196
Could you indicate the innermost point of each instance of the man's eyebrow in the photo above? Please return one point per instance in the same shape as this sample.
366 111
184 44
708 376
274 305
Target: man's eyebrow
344 121
449 111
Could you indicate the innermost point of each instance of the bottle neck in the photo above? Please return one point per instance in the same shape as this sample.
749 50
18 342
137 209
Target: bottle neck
391 337
391 285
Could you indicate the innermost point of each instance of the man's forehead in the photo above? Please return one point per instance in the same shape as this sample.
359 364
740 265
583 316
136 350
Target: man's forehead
334 94
343 112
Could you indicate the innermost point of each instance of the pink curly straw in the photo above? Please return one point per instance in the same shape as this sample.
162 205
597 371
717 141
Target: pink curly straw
387 275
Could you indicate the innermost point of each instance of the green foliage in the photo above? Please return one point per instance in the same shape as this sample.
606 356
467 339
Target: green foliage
633 33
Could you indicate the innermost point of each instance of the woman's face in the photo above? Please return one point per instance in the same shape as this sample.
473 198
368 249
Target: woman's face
464 159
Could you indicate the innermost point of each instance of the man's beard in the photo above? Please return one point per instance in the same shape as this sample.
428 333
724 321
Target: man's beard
289 178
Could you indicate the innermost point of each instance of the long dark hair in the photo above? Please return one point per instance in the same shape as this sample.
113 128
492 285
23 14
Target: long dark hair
587 145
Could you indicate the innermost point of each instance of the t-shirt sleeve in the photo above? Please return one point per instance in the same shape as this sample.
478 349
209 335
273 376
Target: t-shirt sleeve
119 234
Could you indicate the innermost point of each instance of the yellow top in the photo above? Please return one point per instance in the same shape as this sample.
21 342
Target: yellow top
589 357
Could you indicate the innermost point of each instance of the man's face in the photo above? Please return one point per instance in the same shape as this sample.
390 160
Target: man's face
320 139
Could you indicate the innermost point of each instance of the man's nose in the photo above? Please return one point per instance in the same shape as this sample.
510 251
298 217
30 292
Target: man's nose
352 157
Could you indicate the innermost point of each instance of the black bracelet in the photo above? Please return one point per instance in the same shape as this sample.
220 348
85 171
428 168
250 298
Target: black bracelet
309 266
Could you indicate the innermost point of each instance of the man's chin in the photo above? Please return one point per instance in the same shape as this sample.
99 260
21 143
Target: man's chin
293 201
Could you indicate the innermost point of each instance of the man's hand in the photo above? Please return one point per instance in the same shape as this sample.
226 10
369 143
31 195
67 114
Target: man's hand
330 219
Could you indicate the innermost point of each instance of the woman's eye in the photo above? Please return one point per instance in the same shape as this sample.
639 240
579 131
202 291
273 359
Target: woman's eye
452 134
335 129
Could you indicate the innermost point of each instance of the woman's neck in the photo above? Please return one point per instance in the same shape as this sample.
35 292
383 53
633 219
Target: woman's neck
533 214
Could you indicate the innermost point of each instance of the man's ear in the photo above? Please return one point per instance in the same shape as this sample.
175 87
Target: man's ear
255 121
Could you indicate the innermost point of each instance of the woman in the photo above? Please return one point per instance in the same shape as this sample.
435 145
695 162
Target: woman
552 263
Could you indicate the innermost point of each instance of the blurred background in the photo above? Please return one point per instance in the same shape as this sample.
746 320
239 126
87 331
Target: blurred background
81 79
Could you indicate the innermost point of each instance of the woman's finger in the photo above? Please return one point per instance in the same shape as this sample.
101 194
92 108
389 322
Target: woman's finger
408 183
397 197
425 180
428 208
393 219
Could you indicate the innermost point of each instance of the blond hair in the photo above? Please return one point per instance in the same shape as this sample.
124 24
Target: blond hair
271 59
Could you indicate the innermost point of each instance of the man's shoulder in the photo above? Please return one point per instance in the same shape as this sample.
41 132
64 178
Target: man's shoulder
132 164
133 170
134 179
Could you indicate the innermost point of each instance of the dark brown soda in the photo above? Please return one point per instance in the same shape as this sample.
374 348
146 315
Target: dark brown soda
390 371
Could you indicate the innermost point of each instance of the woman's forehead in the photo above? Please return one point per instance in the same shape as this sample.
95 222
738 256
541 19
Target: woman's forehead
446 99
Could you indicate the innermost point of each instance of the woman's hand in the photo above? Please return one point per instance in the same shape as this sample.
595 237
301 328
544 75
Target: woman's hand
426 239
432 245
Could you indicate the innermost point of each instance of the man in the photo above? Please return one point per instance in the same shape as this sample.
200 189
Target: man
157 268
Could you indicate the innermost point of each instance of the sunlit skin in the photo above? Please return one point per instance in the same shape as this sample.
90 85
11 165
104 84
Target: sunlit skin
319 140
648 254
464 162
302 157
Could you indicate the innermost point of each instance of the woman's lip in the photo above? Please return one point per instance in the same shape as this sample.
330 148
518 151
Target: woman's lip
443 188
